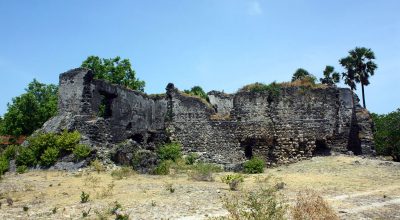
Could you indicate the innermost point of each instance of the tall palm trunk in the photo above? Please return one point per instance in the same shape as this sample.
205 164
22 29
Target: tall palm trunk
363 96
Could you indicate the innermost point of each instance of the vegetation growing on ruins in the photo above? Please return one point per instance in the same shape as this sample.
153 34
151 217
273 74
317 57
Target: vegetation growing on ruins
197 91
262 87
273 89
330 76
81 151
300 74
115 70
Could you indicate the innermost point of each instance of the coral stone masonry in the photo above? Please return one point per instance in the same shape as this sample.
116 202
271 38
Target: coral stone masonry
229 129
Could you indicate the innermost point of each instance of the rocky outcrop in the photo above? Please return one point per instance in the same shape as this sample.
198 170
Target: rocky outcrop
293 125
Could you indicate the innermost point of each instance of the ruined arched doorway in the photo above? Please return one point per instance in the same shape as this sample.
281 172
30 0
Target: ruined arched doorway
321 148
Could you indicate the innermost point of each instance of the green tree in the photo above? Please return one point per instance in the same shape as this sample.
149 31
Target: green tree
387 134
330 76
197 91
359 67
300 74
30 110
114 70
1 126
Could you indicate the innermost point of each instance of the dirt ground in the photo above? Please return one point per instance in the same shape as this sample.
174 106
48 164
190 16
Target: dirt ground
356 188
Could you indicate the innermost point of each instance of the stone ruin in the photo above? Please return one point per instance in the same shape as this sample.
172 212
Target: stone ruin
229 129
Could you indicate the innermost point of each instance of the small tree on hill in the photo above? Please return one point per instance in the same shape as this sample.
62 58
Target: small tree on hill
114 70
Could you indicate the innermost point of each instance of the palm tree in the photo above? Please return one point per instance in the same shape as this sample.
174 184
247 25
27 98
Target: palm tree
300 74
359 67
330 76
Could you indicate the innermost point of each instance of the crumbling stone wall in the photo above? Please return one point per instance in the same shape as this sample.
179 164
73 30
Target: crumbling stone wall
296 124
127 114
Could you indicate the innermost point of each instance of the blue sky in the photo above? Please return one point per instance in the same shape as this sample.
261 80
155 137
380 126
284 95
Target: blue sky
217 44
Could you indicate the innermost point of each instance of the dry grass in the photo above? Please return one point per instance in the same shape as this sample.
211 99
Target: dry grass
303 83
98 166
205 102
310 205
122 172
220 117
356 187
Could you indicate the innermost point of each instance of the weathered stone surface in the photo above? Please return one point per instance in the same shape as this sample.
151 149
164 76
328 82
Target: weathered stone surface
296 124
145 161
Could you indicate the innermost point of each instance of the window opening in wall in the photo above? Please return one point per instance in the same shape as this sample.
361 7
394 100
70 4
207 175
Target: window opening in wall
138 138
152 137
248 151
105 107
128 126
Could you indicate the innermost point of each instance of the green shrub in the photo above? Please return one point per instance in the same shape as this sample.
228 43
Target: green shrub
121 216
81 151
163 168
233 180
26 157
84 197
45 148
203 171
254 165
4 165
254 87
191 158
387 134
49 157
170 151
10 152
22 169
273 87
122 172
197 91
68 140
40 142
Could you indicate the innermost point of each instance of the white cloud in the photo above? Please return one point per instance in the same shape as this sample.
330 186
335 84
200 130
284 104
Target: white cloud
254 8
